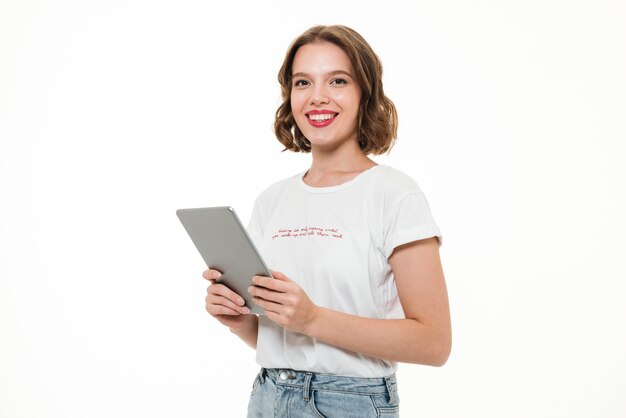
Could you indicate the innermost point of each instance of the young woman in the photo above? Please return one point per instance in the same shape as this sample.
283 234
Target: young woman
358 284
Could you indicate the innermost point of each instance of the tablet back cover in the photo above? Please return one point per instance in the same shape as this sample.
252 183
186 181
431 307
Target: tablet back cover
224 244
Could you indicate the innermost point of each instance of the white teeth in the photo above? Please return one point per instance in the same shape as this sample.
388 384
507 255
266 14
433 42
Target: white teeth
321 117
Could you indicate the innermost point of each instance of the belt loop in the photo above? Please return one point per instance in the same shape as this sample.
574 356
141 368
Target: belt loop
392 393
262 375
307 386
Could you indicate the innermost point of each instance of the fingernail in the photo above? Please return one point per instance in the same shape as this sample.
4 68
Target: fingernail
217 275
246 310
240 301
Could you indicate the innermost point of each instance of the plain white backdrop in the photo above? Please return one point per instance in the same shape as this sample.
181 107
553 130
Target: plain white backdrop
113 114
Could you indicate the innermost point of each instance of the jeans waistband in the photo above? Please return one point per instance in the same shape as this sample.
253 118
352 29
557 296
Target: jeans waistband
330 382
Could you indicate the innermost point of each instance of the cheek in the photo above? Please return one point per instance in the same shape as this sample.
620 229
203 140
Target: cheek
296 103
348 101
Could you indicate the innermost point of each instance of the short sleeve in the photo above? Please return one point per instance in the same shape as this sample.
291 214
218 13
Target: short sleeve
408 219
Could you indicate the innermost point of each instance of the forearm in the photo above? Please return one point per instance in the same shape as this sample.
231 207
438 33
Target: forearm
248 330
403 340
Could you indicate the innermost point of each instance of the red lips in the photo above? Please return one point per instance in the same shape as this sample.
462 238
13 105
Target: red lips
321 118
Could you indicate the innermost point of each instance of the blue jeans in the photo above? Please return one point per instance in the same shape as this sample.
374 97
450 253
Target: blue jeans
287 393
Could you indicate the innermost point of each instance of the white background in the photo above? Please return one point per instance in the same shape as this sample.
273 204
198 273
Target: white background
114 114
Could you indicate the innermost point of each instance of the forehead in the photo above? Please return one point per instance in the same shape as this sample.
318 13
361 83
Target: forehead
321 57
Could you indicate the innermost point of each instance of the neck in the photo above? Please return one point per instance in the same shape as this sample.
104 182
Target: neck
346 158
336 166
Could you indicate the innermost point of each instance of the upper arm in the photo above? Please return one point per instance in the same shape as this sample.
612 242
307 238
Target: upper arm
421 285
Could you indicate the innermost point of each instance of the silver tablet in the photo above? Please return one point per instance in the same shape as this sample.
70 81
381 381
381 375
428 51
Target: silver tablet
224 244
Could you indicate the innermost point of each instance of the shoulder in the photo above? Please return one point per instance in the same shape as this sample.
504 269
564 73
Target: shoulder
394 184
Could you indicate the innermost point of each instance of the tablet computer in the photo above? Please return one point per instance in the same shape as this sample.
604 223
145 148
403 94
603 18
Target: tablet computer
224 244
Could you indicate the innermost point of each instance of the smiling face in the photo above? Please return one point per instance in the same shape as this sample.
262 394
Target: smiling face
325 96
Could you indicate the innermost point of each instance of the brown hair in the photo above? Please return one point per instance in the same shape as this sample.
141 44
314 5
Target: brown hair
378 119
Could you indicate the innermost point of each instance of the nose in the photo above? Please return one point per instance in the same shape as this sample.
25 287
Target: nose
319 96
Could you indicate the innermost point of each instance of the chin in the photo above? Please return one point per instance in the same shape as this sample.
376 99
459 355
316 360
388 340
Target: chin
323 143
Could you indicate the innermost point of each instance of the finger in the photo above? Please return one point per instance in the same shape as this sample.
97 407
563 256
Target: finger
220 289
280 276
267 294
275 317
270 283
211 274
267 305
212 299
215 310
272 316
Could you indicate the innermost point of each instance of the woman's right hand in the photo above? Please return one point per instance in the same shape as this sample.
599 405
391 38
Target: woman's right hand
223 304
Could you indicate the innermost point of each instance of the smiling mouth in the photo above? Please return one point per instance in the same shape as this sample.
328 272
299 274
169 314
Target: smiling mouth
322 117
321 120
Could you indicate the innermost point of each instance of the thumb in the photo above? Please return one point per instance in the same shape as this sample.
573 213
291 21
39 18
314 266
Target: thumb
279 276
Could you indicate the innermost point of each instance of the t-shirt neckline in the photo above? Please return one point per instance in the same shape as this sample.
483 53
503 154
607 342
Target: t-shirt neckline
330 189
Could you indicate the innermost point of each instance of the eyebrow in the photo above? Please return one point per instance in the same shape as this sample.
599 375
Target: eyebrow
332 73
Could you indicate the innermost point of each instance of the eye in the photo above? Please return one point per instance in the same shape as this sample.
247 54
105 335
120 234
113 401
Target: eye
300 83
339 81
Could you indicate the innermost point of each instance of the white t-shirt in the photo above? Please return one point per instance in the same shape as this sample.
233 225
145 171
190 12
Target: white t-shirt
335 243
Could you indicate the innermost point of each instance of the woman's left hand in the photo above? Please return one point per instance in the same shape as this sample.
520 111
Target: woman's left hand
284 301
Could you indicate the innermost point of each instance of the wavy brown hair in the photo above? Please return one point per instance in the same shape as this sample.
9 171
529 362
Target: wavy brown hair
378 119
